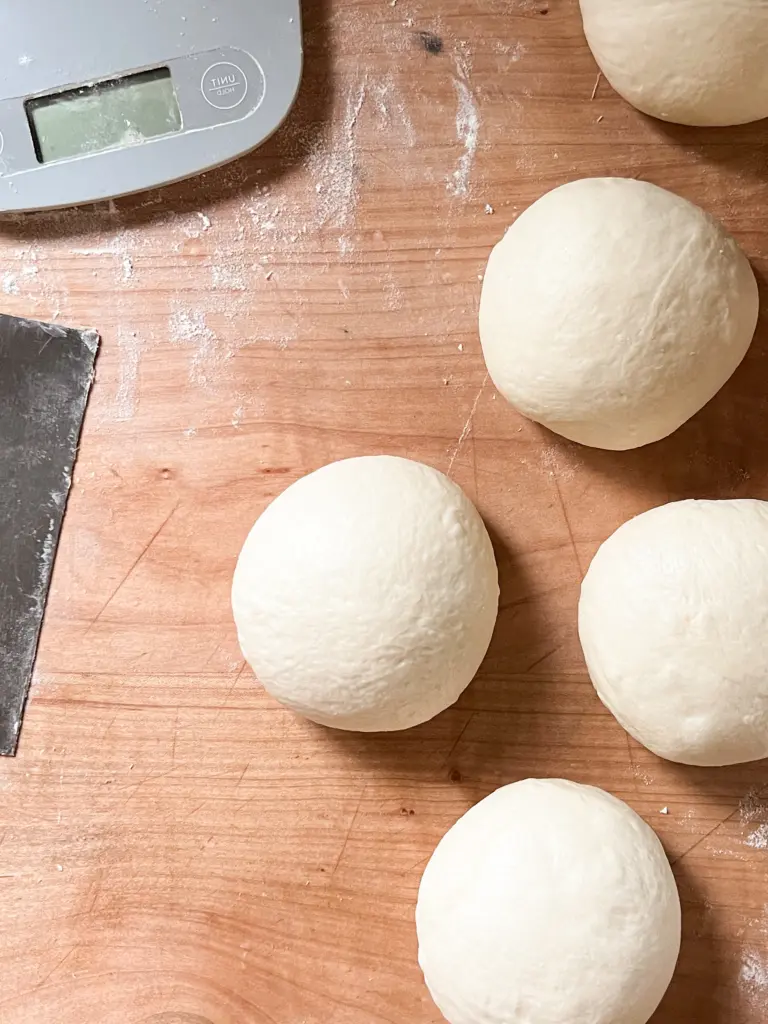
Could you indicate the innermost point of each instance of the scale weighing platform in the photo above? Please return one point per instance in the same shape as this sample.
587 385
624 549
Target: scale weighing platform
99 99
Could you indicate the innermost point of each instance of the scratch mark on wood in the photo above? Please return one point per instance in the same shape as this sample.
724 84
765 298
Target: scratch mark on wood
130 572
55 968
95 888
195 810
544 657
458 740
149 778
231 690
474 466
567 524
631 762
349 831
111 723
517 602
58 801
175 735
714 829
756 796
467 426
421 863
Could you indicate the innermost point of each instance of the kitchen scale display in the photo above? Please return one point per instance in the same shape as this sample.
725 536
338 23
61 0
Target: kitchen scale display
99 99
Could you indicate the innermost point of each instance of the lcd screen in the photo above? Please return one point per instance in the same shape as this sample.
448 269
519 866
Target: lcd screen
109 115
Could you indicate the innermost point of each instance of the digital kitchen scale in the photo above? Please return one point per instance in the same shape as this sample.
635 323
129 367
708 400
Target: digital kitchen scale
99 99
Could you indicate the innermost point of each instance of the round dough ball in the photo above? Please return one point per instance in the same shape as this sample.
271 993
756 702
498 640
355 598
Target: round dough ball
366 594
700 62
673 619
613 310
548 903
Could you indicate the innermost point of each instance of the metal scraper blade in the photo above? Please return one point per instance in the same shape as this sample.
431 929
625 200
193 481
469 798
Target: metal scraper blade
46 372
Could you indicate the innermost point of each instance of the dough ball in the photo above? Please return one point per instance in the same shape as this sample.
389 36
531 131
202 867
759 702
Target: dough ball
673 619
700 62
366 594
548 903
613 310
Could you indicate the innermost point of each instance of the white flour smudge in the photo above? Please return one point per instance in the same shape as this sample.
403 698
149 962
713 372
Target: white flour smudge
336 170
642 775
393 296
196 224
10 284
513 51
758 839
753 977
750 806
120 247
228 271
552 460
467 127
332 167
392 109
189 327
127 397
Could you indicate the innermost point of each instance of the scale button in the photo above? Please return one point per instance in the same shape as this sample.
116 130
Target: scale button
224 85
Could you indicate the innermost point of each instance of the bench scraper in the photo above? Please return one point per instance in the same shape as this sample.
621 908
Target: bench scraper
46 372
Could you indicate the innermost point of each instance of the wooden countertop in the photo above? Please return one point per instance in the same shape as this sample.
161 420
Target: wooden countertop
174 847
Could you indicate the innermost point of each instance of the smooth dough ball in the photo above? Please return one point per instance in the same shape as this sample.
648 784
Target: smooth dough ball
548 903
366 594
673 619
699 62
613 310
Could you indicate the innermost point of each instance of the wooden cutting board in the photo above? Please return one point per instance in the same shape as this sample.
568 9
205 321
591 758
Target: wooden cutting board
174 847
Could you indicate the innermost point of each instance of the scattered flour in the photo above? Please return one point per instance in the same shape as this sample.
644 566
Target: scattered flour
330 163
753 978
127 397
554 463
336 168
642 775
228 272
393 295
513 51
751 806
392 109
759 838
194 225
189 327
467 126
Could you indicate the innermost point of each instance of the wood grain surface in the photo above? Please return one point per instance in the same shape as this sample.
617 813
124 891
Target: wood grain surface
175 848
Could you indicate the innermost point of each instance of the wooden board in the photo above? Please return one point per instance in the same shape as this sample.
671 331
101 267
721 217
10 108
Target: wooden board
174 847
